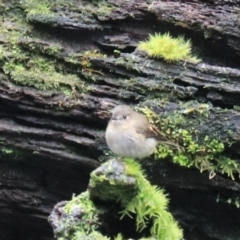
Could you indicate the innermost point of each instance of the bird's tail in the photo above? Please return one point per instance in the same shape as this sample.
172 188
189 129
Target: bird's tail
171 144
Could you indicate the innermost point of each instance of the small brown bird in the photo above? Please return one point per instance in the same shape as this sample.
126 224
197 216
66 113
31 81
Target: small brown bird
129 134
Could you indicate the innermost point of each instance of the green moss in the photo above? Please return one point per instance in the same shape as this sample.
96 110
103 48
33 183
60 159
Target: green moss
150 204
79 235
37 46
120 237
35 7
6 150
80 221
85 12
92 236
10 153
124 182
203 153
44 80
40 73
27 63
105 11
234 201
100 9
168 48
75 227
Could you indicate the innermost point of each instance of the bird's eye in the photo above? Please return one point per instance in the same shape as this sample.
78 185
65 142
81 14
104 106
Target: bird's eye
125 117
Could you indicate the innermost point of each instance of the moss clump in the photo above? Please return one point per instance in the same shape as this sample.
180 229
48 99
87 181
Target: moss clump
35 7
117 182
100 9
124 182
168 48
150 204
39 47
6 151
84 12
80 220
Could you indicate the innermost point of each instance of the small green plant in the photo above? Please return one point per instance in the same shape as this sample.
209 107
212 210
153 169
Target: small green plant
206 154
235 201
6 150
117 52
168 48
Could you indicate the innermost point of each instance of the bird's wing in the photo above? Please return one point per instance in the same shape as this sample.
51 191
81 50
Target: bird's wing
163 139
151 131
142 125
155 132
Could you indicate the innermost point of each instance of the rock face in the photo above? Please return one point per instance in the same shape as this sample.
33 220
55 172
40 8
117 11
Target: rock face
64 65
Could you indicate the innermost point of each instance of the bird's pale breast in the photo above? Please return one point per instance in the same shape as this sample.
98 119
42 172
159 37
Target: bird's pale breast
128 143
